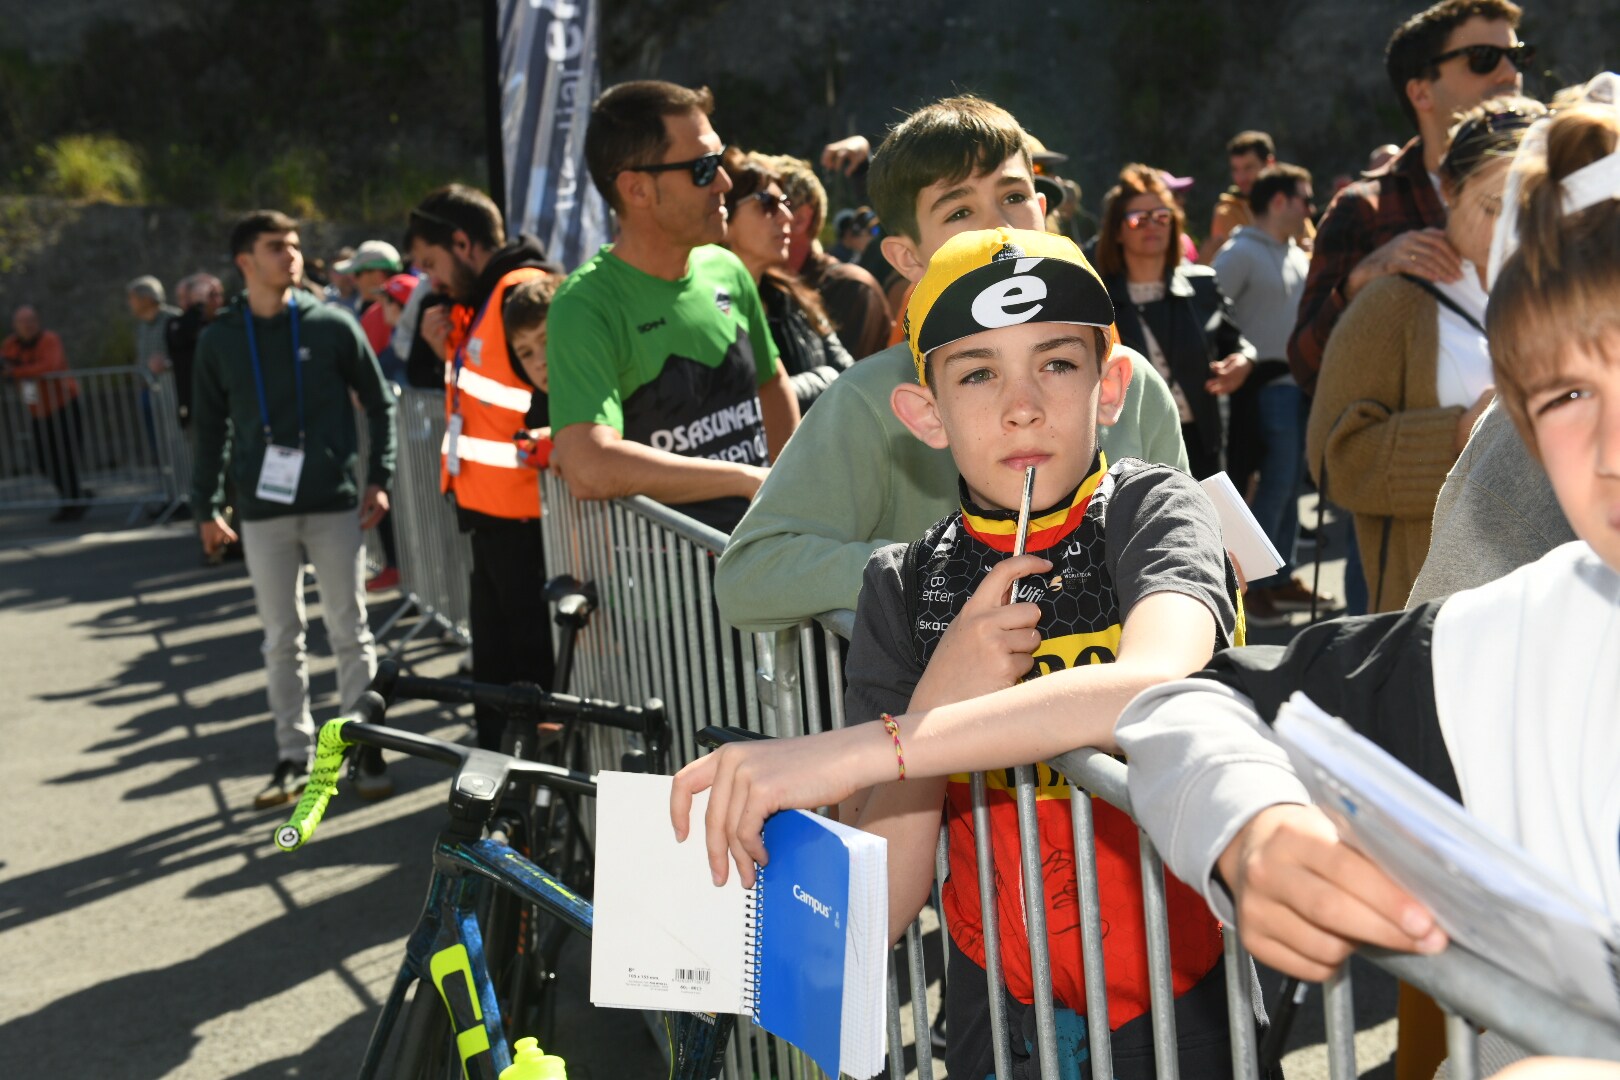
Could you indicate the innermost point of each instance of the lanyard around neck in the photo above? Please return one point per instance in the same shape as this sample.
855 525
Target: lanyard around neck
459 360
258 371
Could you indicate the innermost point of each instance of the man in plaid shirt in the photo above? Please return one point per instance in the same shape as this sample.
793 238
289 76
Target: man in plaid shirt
1440 62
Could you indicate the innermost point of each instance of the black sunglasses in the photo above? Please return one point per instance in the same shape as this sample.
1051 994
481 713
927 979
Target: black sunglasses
703 169
770 203
1482 59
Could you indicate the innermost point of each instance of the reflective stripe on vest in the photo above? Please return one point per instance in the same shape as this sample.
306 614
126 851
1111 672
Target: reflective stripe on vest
490 392
502 455
491 397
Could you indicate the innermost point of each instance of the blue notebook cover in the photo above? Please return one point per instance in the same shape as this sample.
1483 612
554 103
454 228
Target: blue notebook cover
801 917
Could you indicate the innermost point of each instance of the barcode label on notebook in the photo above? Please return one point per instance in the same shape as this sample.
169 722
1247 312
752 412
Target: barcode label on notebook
692 975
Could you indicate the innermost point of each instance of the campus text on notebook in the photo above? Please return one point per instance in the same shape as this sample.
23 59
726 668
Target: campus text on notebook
804 953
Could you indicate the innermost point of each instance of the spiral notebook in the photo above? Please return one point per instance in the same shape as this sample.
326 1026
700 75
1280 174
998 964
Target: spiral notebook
804 952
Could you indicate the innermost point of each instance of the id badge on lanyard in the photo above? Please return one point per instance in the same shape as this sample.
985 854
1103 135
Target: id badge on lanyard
452 440
30 391
278 477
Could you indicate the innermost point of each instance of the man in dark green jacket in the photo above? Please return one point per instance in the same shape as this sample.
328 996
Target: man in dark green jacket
271 403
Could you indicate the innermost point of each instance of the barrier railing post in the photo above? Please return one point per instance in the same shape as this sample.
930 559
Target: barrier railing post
1091 932
1167 1063
1340 1024
1462 1047
988 915
1240 1022
1040 957
897 1053
917 972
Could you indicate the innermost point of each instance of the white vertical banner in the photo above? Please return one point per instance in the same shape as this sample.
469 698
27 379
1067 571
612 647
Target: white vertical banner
548 79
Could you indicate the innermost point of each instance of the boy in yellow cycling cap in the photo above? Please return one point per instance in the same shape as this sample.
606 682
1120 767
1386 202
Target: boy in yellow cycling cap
1125 584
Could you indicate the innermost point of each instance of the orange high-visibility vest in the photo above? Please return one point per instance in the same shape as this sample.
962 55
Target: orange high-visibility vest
484 389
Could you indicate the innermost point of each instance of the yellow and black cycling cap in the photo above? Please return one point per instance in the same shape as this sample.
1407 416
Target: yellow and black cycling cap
994 278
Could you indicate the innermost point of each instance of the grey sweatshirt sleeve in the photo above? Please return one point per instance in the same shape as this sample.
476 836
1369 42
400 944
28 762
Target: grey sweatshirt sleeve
1202 765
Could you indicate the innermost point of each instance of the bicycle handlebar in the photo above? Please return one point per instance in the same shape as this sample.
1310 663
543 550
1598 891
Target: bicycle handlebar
480 774
521 698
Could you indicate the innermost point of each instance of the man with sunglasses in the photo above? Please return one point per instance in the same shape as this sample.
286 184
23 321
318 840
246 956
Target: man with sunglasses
664 378
1440 62
458 237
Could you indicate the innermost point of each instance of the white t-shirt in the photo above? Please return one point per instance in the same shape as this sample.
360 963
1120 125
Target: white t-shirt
1463 367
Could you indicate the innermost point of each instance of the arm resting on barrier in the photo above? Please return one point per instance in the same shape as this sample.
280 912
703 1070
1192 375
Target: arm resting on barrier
1208 784
597 462
1305 899
1165 635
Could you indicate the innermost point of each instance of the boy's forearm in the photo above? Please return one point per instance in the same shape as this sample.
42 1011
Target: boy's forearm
1030 722
1202 766
907 815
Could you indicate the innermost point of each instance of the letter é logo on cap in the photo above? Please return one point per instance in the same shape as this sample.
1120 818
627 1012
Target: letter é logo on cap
1010 302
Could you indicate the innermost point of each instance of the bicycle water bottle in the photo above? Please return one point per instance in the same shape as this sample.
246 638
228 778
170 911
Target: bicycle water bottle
529 1062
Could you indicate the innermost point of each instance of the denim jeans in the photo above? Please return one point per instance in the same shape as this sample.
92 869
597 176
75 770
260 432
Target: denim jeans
1276 498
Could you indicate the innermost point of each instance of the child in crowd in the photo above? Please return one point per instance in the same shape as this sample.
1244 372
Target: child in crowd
525 313
1503 696
1128 586
853 479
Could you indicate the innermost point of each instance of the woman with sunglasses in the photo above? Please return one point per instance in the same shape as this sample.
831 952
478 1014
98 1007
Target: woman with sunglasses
1407 370
758 228
1172 312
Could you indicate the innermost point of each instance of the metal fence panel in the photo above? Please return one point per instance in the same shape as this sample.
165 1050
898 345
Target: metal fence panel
435 557
107 437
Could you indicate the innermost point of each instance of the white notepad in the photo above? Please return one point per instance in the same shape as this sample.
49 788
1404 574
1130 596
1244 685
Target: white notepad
1251 548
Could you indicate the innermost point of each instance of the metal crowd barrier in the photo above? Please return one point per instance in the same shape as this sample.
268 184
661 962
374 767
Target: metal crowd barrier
658 633
435 556
111 438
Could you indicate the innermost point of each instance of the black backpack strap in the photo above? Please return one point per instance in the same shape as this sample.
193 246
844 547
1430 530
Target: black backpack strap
1445 301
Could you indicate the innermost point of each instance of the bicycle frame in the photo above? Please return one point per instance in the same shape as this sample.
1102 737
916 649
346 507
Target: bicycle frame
445 951
446 948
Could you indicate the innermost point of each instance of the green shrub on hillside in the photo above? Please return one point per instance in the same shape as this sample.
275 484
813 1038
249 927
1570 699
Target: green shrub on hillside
97 168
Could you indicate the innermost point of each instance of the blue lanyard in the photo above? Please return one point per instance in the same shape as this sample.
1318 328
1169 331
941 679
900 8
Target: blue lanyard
258 372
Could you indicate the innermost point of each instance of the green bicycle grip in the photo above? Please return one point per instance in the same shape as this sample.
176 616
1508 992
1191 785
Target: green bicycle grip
329 751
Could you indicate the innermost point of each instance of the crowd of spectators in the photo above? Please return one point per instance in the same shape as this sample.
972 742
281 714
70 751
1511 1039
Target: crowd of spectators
761 363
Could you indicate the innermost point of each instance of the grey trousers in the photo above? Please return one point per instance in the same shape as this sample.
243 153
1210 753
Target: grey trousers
275 550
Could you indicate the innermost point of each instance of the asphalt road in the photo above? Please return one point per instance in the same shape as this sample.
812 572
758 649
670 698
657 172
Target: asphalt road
148 927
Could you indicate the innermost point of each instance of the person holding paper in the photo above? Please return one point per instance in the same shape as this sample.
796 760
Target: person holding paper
270 403
1126 585
1504 696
